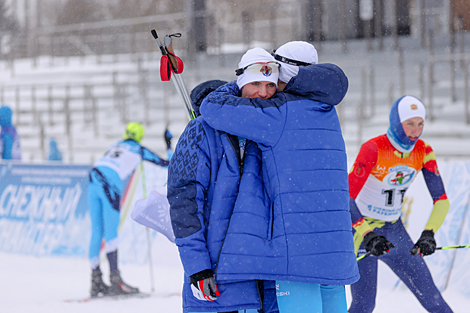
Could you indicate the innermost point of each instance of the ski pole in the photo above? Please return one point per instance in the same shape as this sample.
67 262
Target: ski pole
125 204
438 248
363 256
127 199
453 247
177 78
177 67
149 239
184 94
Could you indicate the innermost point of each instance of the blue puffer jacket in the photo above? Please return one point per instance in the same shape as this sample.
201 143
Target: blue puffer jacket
203 182
304 231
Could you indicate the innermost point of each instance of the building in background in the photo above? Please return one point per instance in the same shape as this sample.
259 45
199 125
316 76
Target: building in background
82 27
462 14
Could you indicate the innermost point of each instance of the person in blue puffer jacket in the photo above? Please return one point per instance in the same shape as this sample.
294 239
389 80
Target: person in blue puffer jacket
203 180
10 148
294 225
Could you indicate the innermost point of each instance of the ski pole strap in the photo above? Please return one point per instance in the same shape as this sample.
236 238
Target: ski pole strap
453 247
363 256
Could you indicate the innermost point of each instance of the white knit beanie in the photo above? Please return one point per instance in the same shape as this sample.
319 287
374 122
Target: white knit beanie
298 51
410 107
256 55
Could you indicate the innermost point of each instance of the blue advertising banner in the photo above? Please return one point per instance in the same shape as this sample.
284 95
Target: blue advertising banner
43 209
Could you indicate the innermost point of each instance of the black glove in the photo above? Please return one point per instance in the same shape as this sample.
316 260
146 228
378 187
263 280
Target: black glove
426 244
377 245
203 286
168 137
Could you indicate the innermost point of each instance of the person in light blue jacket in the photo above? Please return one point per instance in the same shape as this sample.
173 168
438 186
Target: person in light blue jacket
54 152
104 196
203 179
291 221
10 148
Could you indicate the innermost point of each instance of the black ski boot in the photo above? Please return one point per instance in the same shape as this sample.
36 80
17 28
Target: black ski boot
118 287
98 287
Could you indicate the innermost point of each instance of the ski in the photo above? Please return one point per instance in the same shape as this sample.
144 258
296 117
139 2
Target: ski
139 295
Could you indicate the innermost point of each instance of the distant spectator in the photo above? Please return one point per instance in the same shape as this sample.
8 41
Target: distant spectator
54 152
9 140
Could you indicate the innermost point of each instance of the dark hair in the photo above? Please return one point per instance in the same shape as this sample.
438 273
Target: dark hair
201 91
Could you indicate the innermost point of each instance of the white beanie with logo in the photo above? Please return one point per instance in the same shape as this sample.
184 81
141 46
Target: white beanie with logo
257 55
297 51
410 107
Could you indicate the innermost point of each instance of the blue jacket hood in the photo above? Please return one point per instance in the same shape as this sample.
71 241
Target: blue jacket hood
324 82
5 116
395 133
201 91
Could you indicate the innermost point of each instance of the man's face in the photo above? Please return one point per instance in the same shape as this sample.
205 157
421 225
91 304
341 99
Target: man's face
413 127
259 89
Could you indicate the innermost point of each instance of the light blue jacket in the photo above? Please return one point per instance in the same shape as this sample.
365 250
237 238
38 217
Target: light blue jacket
10 148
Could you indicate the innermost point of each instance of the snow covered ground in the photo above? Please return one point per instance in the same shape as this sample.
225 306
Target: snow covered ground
38 284
42 284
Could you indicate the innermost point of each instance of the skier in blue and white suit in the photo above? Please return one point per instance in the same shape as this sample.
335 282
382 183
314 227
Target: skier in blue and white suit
302 238
104 197
9 140
203 180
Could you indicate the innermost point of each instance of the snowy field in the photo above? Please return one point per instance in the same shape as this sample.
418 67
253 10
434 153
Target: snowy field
43 284
39 285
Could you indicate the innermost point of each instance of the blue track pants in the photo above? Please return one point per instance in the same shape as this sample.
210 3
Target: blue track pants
411 269
103 203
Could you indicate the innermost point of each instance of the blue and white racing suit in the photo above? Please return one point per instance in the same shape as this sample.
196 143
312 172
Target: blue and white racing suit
105 191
